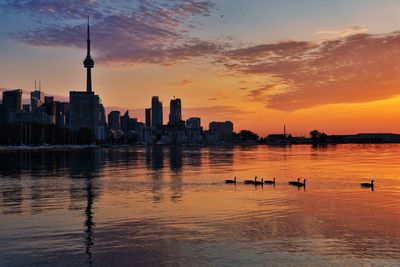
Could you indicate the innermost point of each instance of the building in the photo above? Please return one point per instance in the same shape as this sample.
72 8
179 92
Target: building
37 99
26 108
156 113
193 123
62 114
221 127
12 102
114 120
175 112
148 117
126 122
86 110
31 117
220 131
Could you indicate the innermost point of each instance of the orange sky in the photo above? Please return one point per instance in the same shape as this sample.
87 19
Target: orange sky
318 72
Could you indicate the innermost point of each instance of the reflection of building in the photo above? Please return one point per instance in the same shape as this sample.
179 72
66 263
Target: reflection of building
86 111
156 112
175 113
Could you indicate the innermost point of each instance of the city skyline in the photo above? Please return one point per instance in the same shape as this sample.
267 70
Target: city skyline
305 79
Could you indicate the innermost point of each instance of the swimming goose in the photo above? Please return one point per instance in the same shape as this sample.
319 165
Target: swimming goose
251 181
231 181
299 184
259 183
294 182
368 184
270 181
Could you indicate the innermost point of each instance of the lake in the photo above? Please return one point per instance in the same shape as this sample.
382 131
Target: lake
169 206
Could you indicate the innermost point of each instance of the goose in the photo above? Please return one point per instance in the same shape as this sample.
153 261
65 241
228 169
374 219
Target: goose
231 181
259 183
251 181
370 185
270 181
294 182
299 184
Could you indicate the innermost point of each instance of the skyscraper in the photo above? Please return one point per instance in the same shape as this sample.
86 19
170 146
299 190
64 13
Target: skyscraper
156 112
148 117
86 110
175 112
37 99
114 121
12 102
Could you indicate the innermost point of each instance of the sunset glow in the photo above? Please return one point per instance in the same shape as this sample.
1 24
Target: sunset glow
331 65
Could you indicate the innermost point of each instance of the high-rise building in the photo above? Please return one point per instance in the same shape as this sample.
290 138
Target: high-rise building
86 110
221 128
193 123
37 99
126 122
175 112
49 99
114 122
12 102
148 117
62 114
156 112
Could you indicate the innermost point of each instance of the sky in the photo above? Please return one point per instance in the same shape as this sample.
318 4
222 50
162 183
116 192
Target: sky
311 64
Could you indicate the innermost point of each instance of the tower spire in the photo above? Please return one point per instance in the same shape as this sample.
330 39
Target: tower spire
88 63
88 36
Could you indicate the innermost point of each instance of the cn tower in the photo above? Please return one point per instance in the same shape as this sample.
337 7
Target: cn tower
88 63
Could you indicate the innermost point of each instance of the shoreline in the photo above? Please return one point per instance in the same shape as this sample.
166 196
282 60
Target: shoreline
83 147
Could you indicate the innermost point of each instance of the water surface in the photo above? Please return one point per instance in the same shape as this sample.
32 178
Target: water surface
169 206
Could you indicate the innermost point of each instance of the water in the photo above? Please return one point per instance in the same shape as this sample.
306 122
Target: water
169 206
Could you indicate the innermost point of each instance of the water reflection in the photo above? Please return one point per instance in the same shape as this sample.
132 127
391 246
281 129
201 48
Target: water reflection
175 164
169 206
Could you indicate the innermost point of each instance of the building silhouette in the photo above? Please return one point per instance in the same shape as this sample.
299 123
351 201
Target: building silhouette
12 103
37 99
86 110
175 113
114 121
148 117
156 112
193 123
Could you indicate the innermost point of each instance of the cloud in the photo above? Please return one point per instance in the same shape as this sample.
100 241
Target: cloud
356 68
342 32
123 33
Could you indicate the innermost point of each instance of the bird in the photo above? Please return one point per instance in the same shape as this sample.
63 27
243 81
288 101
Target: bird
270 181
299 184
231 181
294 182
251 181
259 183
369 185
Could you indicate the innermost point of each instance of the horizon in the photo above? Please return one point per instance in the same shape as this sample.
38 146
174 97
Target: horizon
341 77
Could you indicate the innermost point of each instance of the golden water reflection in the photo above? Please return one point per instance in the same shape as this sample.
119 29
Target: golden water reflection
98 207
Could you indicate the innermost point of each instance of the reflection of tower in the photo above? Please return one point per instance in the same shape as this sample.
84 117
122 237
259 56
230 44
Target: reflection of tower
89 220
88 63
